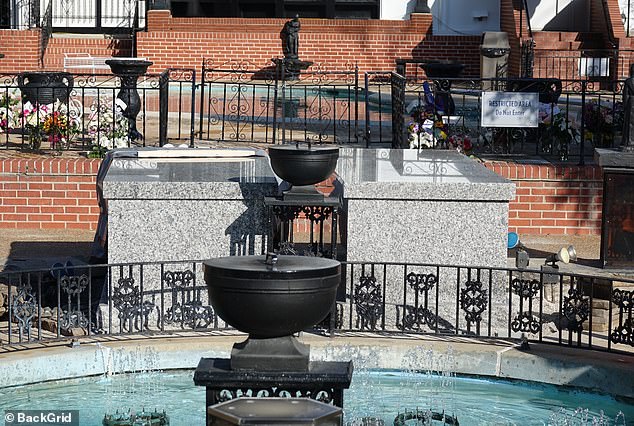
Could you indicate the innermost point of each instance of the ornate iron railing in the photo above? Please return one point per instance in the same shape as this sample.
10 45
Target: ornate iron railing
61 111
241 102
575 116
583 311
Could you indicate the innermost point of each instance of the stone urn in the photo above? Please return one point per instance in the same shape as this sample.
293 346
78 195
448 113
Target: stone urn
271 297
45 88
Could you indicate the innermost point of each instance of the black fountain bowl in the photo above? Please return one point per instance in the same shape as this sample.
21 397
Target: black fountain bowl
447 69
295 295
303 165
128 66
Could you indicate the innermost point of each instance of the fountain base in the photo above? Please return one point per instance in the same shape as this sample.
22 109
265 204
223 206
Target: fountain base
284 353
323 380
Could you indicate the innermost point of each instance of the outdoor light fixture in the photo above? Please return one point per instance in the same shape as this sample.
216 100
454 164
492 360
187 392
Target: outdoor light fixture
521 255
565 255
550 267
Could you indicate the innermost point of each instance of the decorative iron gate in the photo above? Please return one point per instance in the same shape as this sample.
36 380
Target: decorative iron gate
241 102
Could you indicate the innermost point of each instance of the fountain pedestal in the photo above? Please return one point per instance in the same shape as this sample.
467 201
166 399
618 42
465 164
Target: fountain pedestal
129 72
324 379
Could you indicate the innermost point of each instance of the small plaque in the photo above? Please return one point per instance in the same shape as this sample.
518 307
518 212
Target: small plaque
509 109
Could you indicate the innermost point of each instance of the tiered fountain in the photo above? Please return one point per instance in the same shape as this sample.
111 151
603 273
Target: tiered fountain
272 297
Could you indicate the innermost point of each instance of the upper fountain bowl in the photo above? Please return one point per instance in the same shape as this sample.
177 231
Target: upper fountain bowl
303 165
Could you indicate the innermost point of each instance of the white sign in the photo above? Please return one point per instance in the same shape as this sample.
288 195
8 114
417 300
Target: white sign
509 109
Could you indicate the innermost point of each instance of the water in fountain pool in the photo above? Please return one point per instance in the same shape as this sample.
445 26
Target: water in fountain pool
476 401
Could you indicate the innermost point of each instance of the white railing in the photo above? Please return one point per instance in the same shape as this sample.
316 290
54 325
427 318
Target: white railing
80 13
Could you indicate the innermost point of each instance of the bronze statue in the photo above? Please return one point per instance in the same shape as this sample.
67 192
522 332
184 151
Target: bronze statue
290 36
627 142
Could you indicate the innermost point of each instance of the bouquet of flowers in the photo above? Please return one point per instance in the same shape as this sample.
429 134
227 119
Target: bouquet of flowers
557 131
9 104
598 118
461 142
428 129
56 123
107 127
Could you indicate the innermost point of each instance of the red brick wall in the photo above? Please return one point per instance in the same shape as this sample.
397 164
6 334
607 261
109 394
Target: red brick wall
98 47
50 193
373 44
21 50
557 200
510 23
60 194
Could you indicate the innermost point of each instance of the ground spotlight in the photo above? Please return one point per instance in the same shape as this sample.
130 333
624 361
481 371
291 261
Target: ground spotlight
565 255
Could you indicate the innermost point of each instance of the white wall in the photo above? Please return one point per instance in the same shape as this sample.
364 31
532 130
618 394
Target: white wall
451 17
573 15
396 9
460 17
624 15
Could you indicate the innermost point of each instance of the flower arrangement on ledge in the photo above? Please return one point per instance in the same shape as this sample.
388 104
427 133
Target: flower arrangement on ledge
556 130
56 123
9 109
107 126
429 130
600 122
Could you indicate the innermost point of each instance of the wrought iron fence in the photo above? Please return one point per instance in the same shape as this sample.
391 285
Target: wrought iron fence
391 298
60 111
603 65
241 102
575 116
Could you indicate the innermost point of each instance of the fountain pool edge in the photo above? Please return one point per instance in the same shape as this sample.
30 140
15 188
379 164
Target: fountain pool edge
609 373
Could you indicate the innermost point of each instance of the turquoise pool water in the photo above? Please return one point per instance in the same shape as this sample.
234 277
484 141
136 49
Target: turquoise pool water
374 394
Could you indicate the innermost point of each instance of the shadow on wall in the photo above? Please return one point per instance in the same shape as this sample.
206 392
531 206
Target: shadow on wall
573 16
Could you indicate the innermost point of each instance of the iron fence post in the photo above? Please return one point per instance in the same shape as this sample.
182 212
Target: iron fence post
192 112
163 106
202 101
367 111
275 97
356 102
583 128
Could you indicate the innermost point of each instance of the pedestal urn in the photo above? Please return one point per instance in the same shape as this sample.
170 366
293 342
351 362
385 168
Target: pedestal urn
129 71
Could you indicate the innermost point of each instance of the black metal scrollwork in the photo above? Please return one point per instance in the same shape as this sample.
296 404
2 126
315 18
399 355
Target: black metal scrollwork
417 315
525 321
576 309
189 310
474 301
73 317
624 332
132 311
526 288
368 300
24 308
324 395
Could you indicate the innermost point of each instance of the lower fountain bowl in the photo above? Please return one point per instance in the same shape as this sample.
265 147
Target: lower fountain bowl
303 165
272 301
